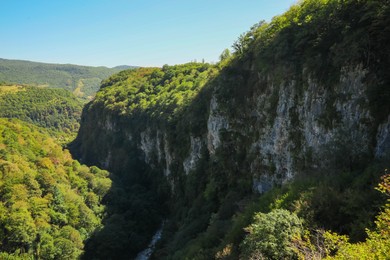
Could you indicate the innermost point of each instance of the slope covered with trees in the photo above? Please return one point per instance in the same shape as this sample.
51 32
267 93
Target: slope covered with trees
49 203
58 110
290 129
83 81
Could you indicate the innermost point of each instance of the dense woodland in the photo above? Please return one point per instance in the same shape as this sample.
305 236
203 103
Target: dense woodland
58 110
53 207
158 93
49 203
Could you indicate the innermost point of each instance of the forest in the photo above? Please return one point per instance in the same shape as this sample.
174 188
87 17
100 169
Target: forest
83 81
278 151
55 109
49 203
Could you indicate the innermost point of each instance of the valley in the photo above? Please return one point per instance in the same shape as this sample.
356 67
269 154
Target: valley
83 81
280 150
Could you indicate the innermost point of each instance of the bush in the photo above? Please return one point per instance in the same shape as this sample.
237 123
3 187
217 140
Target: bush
270 235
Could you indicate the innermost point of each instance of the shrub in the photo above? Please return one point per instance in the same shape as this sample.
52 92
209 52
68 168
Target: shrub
270 235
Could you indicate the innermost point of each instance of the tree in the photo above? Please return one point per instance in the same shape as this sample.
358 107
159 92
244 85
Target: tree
244 40
331 245
225 55
20 226
270 235
377 246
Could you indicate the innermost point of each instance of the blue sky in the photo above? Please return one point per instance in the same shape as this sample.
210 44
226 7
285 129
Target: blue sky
127 32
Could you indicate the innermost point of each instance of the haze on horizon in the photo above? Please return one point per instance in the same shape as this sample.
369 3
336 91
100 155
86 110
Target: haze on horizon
141 33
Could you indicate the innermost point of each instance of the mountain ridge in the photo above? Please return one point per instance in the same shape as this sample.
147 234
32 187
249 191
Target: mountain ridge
82 80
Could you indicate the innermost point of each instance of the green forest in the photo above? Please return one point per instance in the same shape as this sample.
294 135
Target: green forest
83 81
50 204
57 110
280 150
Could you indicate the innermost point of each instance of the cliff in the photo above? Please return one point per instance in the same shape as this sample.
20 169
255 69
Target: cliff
306 94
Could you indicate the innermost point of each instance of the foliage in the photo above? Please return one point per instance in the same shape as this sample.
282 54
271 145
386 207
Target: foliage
156 93
49 203
322 37
83 81
210 207
270 235
138 97
333 201
245 40
331 245
225 55
55 109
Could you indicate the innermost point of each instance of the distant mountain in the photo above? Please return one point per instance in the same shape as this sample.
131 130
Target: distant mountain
124 67
83 81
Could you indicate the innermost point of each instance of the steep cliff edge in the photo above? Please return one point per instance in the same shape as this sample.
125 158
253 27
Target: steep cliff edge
305 95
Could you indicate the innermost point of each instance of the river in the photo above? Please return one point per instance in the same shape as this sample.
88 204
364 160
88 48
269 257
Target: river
145 254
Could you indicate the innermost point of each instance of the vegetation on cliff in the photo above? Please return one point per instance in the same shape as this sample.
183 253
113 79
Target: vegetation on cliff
211 208
157 93
181 143
139 199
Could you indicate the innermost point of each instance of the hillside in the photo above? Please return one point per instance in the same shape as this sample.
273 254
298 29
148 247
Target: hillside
83 81
57 110
291 130
49 203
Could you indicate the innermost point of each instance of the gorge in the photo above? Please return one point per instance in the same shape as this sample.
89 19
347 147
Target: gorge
303 97
280 150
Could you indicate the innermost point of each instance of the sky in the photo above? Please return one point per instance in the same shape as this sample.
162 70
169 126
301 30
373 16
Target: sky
127 32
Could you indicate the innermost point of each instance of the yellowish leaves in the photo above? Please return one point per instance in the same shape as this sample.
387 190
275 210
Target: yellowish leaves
225 252
45 163
19 193
5 90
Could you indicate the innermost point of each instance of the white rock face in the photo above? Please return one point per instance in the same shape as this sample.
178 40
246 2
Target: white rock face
156 144
286 126
168 157
148 144
383 139
108 124
313 107
299 126
160 152
106 162
190 162
273 148
263 183
215 123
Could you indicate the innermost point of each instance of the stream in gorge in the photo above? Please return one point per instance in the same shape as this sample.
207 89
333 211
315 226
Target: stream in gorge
145 254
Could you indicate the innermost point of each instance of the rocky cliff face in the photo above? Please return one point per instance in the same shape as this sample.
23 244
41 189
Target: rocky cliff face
300 96
288 127
261 135
310 123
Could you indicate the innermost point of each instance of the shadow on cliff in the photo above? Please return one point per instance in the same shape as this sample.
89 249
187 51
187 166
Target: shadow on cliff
140 196
135 207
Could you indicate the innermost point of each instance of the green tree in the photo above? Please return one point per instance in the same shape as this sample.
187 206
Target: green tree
329 245
225 55
21 227
270 235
